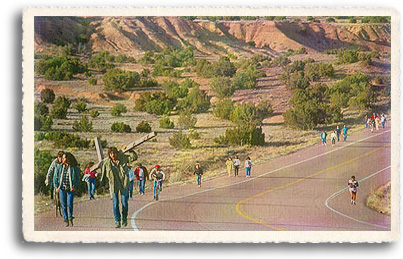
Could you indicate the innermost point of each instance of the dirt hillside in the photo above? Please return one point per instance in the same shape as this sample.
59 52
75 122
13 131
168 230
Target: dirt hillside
134 35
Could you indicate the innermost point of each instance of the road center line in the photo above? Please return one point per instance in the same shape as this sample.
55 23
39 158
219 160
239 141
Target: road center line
259 221
133 218
343 190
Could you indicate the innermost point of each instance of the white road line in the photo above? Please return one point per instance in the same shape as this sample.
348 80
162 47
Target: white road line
133 218
345 189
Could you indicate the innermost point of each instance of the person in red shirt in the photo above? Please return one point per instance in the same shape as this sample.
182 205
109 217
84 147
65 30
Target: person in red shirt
89 177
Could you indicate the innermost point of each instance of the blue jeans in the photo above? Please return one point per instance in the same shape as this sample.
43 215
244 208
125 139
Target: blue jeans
91 187
141 184
125 205
344 137
155 186
198 178
160 184
383 124
131 188
248 171
66 200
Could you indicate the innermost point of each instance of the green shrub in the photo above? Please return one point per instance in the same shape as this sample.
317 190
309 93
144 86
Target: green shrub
102 61
174 90
40 109
166 123
193 134
246 78
83 125
94 113
46 122
63 139
330 19
59 68
186 119
59 112
143 127
47 95
37 123
263 110
92 81
245 115
62 101
251 43
155 103
119 80
80 106
145 72
222 87
240 136
118 109
196 101
121 58
148 82
42 161
223 109
179 140
120 127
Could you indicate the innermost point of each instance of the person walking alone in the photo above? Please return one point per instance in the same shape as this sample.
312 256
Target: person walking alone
229 165
198 172
383 120
352 187
66 180
237 163
89 178
118 179
157 176
248 167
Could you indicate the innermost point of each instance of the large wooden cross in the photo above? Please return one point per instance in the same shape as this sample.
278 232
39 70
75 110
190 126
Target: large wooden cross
128 147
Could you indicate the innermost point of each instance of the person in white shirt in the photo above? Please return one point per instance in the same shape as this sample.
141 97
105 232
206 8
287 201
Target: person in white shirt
352 186
333 137
237 163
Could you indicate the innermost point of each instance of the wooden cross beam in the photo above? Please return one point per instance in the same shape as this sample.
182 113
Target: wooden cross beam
127 148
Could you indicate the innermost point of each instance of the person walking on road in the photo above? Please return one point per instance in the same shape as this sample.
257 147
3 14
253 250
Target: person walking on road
383 120
66 180
366 121
157 176
89 178
352 187
237 163
338 131
198 172
229 163
131 185
141 176
51 172
333 137
345 129
118 178
248 167
377 122
323 136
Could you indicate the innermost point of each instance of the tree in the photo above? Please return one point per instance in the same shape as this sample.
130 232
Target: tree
119 80
143 127
223 109
166 123
118 109
120 127
180 140
196 101
47 95
83 125
222 87
186 119
80 106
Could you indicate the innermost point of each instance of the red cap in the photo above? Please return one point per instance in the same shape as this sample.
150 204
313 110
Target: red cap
157 166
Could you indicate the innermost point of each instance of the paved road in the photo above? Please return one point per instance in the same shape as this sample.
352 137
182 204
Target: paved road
302 191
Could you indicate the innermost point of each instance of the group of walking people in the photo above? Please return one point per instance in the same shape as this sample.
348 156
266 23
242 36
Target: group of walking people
374 121
63 178
233 164
334 135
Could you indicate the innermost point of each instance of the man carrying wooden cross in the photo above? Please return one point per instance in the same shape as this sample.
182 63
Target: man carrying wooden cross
116 171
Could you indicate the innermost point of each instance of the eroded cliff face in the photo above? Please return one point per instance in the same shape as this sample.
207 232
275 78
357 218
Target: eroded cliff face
138 34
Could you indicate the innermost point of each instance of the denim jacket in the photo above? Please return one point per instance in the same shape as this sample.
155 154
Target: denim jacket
74 176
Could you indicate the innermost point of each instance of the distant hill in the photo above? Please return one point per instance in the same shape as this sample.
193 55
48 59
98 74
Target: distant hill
134 35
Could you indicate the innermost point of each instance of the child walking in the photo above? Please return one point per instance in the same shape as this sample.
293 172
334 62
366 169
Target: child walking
352 186
198 172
